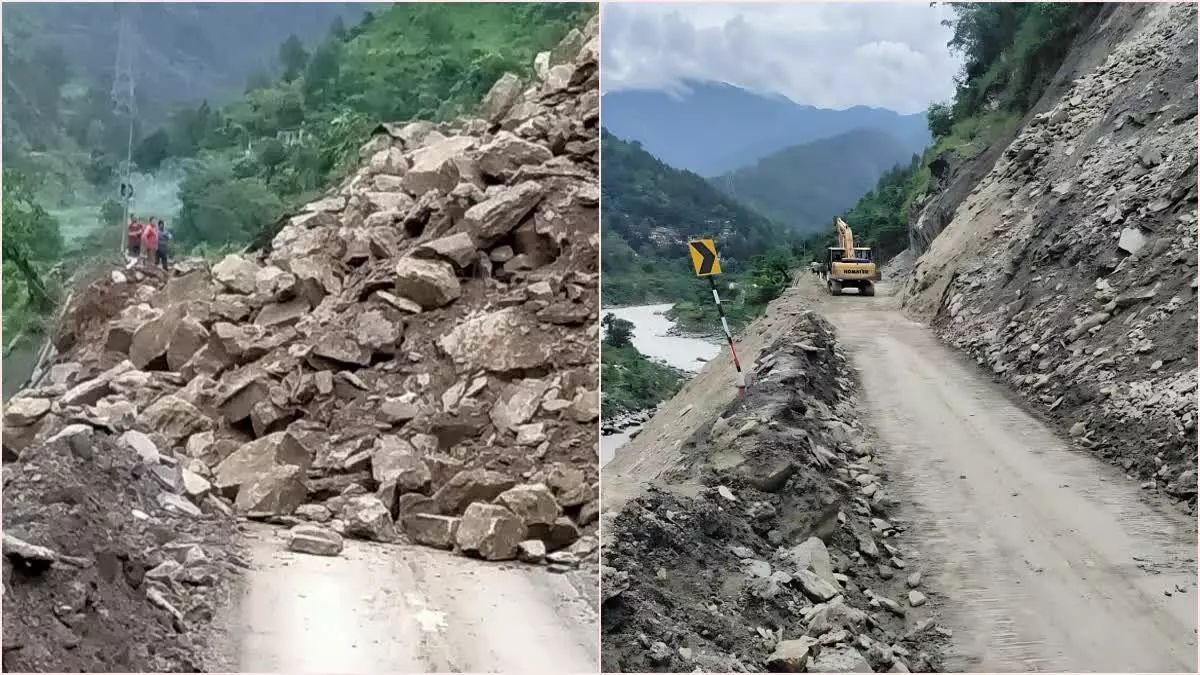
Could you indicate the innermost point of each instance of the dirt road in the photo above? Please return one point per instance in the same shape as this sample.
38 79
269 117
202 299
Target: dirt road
408 609
1047 559
1040 557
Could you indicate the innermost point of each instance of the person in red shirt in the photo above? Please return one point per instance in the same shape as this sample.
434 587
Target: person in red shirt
135 236
150 241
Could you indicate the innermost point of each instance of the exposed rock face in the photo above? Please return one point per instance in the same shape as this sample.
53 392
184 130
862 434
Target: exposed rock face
347 374
1069 267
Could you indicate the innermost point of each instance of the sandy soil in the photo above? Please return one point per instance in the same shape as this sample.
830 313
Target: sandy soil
1041 557
386 608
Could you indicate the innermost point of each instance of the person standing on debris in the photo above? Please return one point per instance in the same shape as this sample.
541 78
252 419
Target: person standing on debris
150 241
134 236
164 240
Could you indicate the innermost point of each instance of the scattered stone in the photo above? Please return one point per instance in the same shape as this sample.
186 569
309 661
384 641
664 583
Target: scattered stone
314 540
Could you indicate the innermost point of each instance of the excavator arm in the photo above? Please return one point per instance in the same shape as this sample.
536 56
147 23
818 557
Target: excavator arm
845 239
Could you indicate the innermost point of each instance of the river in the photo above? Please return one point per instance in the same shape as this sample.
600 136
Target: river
651 337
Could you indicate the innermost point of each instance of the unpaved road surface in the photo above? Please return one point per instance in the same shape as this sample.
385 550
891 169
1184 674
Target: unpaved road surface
386 608
1038 556
1047 559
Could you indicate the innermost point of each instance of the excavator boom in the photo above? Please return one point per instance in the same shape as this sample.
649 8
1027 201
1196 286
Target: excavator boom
849 269
845 238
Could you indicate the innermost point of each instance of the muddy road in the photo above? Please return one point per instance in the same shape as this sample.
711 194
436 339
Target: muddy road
1038 556
379 608
1047 559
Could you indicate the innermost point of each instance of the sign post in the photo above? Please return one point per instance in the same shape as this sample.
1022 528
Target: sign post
707 264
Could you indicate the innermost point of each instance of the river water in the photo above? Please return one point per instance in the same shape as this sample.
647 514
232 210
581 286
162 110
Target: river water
650 337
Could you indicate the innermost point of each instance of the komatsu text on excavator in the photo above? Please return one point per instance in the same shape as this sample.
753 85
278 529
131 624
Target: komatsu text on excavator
851 267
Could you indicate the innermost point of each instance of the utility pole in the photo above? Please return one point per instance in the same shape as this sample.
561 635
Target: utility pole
125 105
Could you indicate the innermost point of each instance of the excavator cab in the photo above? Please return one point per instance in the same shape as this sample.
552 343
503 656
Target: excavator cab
856 269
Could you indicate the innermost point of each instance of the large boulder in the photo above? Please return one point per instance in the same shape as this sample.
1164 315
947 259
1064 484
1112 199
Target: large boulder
175 419
471 485
434 167
492 219
277 490
490 531
430 529
236 274
314 540
258 458
429 283
533 504
500 341
366 517
394 461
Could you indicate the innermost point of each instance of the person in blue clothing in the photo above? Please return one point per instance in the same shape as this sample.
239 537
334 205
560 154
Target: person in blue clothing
164 240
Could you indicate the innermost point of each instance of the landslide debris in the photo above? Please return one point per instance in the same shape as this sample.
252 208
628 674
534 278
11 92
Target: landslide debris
1070 269
412 360
771 548
107 564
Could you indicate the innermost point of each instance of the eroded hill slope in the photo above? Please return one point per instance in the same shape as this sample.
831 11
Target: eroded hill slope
1069 267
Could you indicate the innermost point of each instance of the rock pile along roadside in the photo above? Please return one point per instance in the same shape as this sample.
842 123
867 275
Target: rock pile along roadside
413 360
1070 269
771 548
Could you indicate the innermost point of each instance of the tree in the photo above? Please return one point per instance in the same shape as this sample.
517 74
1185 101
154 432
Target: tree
941 119
293 57
111 213
153 150
30 235
271 154
337 29
218 209
617 332
321 75
259 79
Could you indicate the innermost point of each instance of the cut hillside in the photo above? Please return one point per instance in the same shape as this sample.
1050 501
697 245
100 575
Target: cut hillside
413 360
1065 260
806 186
712 128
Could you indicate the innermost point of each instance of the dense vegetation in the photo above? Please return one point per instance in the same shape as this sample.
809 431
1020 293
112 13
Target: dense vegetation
806 186
232 170
630 381
1011 52
650 212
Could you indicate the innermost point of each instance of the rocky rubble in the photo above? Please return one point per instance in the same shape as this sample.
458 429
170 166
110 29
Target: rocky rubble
100 546
1071 269
800 570
413 359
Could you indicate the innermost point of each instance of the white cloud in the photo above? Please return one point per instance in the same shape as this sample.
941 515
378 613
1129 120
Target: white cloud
889 55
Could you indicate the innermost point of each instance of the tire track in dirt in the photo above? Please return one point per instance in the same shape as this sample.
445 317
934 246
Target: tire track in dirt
1048 558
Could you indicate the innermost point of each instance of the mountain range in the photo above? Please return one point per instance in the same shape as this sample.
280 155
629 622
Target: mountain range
715 128
806 186
180 52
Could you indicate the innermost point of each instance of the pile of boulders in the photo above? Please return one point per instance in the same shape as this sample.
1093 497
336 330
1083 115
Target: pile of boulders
413 359
1081 293
800 568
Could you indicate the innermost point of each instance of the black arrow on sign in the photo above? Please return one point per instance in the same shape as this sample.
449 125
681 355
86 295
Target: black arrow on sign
708 256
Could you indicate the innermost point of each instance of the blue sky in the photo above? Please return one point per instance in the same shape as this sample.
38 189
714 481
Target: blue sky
889 55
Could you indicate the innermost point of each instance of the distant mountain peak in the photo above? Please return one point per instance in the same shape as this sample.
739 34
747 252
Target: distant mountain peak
714 127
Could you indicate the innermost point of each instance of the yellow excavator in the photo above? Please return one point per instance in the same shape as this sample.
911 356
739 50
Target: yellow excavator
851 267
